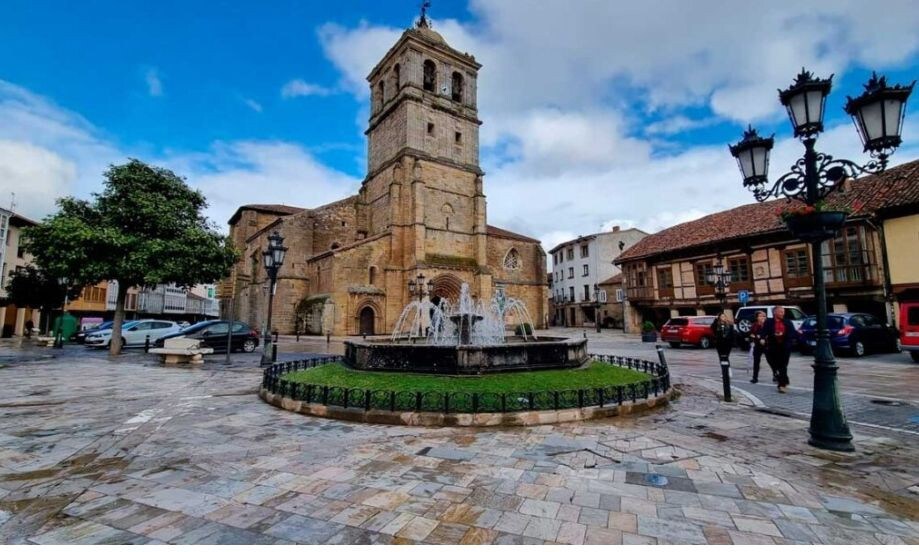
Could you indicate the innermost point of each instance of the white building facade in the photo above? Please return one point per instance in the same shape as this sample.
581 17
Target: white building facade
579 266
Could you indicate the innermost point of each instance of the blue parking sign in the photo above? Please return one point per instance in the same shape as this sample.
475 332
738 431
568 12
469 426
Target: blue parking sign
743 296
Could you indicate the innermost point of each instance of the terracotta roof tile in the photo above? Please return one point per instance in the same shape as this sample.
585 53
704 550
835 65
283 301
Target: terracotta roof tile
273 208
897 188
617 279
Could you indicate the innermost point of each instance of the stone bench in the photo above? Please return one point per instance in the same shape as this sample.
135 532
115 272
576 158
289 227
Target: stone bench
181 350
45 341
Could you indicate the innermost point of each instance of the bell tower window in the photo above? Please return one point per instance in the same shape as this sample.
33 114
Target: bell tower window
430 76
397 75
381 89
457 87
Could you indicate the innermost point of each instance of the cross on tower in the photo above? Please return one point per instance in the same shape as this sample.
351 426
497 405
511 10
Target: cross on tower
423 20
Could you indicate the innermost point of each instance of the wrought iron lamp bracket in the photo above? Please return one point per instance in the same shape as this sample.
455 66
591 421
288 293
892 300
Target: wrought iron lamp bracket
830 173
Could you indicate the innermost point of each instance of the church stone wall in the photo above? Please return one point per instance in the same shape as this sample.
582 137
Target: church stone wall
528 281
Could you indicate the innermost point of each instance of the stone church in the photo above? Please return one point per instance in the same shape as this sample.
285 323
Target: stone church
420 210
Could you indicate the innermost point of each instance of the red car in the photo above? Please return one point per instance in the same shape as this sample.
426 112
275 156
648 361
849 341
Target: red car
689 330
909 328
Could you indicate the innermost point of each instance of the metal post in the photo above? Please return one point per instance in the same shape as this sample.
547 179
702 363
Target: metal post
267 346
828 428
229 318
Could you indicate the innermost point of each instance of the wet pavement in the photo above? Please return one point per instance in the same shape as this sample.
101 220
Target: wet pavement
94 450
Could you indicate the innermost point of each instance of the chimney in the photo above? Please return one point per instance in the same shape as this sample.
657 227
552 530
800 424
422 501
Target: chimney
615 228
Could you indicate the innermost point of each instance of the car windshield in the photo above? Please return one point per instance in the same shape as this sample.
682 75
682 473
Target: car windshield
678 322
198 327
704 321
747 314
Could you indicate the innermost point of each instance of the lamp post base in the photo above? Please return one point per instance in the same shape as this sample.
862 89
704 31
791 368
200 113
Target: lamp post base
840 443
267 353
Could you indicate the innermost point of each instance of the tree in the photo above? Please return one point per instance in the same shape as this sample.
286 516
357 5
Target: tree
145 228
34 288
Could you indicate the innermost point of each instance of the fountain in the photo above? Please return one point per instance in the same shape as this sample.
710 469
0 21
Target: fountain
465 338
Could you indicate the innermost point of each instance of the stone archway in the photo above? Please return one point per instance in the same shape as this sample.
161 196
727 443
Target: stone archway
446 286
367 321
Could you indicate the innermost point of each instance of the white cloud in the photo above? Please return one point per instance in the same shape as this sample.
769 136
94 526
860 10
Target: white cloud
154 82
47 152
253 105
299 87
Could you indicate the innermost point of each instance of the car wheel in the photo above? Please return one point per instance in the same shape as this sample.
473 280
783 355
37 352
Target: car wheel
705 343
249 345
744 326
858 349
674 345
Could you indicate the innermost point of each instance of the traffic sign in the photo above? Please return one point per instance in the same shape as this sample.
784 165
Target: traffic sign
743 296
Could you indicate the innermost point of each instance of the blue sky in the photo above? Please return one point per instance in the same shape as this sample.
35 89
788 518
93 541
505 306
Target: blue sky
599 113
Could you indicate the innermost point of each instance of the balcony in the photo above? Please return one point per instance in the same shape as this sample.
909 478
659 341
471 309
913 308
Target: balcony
639 293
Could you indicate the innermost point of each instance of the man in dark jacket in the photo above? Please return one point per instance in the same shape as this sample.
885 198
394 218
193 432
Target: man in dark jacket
780 336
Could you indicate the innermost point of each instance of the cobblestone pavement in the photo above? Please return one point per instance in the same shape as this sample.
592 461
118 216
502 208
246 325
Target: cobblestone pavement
129 451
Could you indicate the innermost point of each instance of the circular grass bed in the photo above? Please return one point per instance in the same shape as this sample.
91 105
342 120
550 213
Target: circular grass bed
595 375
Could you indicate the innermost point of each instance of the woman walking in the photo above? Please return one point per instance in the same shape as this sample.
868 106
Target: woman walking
779 335
757 345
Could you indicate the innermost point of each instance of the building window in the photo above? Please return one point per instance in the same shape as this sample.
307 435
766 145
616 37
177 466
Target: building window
586 292
570 254
381 88
372 276
619 295
585 251
796 263
586 271
847 258
703 287
665 282
431 129
570 272
457 87
739 267
512 260
397 76
571 293
458 137
430 76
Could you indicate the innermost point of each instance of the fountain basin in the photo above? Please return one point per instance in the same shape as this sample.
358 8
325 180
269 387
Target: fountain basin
516 354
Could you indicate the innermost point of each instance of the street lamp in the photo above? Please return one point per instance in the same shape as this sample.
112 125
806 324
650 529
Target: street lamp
878 116
417 287
720 279
59 336
273 258
597 303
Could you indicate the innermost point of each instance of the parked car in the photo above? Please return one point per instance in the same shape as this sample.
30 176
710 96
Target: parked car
133 333
689 330
746 316
909 328
852 332
213 334
80 336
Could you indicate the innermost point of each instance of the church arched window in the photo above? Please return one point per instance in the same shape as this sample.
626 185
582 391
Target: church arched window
447 211
457 87
381 89
397 76
512 260
430 76
372 276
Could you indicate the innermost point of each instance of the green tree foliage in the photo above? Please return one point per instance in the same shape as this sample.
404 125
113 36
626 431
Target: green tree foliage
145 228
35 288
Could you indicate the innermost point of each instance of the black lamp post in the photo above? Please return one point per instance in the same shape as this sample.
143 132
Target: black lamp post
597 303
417 288
878 115
720 279
273 258
59 336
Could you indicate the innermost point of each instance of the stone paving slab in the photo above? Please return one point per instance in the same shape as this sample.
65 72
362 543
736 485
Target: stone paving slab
150 454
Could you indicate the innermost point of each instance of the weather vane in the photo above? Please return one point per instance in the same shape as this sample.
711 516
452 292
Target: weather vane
423 21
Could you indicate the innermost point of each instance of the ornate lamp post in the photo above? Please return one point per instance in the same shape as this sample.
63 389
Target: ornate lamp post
878 115
597 304
417 288
720 279
59 335
273 258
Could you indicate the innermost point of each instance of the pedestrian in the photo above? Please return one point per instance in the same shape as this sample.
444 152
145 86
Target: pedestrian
757 344
724 337
29 327
779 335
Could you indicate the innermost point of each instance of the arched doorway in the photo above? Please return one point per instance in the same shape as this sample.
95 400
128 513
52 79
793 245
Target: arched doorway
367 321
446 286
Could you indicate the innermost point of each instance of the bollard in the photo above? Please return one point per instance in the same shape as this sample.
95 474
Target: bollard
274 353
297 333
725 376
660 355
274 335
147 344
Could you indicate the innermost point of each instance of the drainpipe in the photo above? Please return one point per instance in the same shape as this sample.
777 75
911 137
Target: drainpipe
887 288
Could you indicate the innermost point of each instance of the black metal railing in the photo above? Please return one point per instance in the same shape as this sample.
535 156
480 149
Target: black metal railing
459 402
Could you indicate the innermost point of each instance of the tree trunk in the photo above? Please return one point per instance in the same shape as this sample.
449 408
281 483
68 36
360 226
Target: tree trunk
115 343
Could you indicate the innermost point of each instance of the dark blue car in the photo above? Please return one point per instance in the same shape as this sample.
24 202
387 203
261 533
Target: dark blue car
853 333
